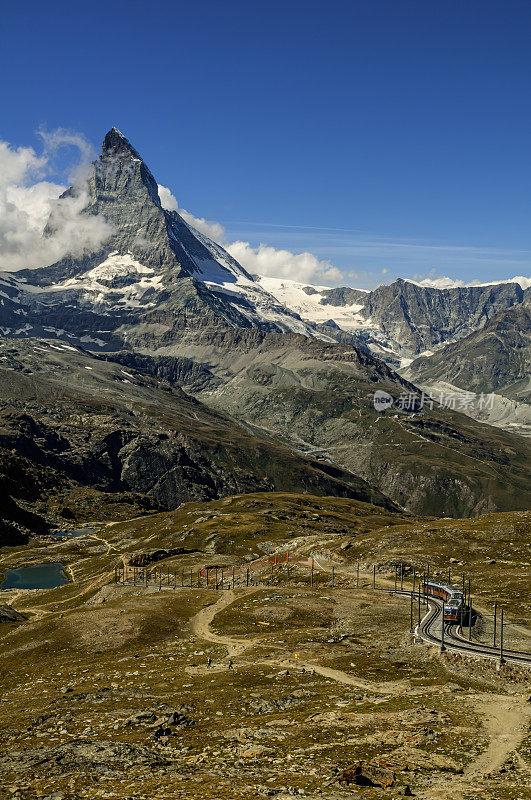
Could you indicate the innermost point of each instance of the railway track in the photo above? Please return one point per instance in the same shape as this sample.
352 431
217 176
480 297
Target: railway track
429 630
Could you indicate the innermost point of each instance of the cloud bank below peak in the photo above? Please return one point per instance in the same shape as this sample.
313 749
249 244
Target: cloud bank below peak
29 201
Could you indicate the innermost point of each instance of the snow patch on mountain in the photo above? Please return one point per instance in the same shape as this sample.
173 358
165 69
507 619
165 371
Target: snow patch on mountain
119 282
116 265
223 275
307 301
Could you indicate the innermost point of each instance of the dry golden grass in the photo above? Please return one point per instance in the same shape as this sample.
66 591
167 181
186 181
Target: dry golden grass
356 687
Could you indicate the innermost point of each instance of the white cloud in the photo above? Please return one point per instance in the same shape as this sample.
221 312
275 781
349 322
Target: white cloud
273 263
213 230
62 137
435 281
524 282
28 202
167 200
264 259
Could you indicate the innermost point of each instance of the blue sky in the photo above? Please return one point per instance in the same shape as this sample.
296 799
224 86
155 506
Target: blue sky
378 135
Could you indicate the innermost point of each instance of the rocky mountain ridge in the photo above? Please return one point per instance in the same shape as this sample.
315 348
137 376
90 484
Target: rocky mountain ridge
403 319
496 358
488 371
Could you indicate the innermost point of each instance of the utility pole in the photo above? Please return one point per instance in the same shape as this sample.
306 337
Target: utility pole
501 636
374 576
247 576
495 620
413 580
357 575
411 613
469 613
233 577
222 577
419 603
449 576
395 575
401 577
442 629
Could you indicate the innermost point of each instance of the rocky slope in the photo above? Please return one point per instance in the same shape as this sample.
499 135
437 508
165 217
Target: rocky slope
488 372
71 422
318 398
496 358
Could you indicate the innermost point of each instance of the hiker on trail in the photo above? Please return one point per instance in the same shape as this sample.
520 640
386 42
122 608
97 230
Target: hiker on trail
209 661
230 663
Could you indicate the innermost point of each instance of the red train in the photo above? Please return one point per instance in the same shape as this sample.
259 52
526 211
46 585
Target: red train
454 604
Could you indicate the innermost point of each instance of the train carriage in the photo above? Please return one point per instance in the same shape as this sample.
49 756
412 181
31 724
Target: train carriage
453 600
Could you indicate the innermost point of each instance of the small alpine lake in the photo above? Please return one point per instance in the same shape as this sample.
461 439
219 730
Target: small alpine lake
70 534
38 576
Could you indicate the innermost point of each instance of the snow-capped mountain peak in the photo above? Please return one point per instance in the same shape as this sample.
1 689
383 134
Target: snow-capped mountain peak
155 275
153 266
116 143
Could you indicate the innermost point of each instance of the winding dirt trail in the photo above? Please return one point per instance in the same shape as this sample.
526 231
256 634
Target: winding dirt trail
506 724
202 621
387 688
